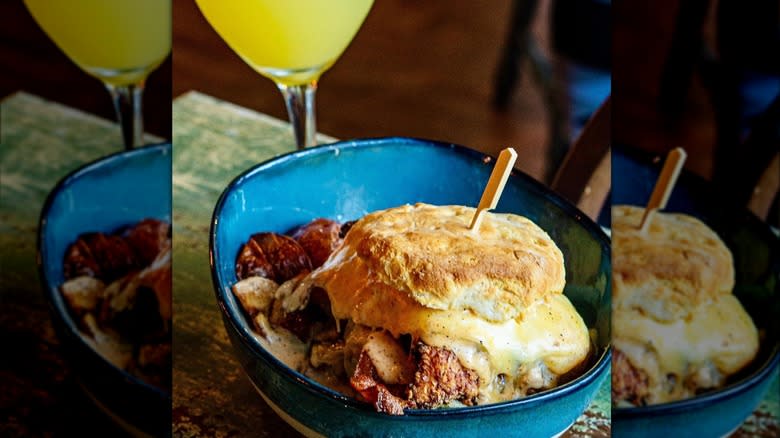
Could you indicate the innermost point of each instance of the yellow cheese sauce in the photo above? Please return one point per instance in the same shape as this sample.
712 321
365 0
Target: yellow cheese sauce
289 350
550 332
720 333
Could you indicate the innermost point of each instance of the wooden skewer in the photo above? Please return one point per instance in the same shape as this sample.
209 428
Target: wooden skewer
663 186
495 186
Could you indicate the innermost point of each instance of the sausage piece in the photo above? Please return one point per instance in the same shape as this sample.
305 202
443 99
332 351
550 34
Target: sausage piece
273 256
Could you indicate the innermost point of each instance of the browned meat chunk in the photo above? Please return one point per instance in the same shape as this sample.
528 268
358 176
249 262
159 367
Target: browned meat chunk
318 238
148 238
387 402
272 256
392 363
366 382
345 228
298 322
296 309
628 383
121 284
252 262
319 298
99 255
157 277
440 379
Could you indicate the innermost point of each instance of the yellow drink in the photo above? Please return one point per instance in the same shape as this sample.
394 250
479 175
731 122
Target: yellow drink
289 41
118 41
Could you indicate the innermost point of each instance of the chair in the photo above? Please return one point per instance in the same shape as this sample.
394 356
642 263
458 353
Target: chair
581 34
584 176
748 41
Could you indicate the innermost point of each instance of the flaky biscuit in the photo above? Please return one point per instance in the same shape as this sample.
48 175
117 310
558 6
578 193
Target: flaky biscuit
428 253
678 264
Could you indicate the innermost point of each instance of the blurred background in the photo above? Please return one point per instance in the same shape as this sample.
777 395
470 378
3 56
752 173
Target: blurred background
528 74
703 75
435 70
31 62
490 74
419 69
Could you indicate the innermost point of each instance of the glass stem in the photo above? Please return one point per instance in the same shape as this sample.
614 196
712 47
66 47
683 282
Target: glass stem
299 100
128 105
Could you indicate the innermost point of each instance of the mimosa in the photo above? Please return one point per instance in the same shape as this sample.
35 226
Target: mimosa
291 41
118 41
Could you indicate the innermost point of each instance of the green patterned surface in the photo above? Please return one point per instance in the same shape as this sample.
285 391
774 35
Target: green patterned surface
213 142
40 142
40 145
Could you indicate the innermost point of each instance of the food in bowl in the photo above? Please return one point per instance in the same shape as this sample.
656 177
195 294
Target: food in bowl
407 308
677 329
118 290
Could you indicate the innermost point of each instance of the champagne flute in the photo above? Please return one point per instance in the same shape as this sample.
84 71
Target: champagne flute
292 42
118 41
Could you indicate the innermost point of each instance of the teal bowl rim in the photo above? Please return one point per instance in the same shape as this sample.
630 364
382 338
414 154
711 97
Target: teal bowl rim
56 303
706 399
238 321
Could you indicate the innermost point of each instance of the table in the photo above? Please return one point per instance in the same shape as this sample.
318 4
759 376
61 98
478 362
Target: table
40 142
214 141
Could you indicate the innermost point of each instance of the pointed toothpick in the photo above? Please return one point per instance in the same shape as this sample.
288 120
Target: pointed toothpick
495 186
663 186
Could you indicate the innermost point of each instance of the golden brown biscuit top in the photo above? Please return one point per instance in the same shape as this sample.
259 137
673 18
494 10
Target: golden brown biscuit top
678 264
428 253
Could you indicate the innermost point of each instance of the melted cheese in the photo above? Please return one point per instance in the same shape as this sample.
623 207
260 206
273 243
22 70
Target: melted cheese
718 333
549 332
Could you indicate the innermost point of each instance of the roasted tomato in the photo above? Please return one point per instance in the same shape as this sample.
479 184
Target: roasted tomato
272 256
148 238
99 255
319 238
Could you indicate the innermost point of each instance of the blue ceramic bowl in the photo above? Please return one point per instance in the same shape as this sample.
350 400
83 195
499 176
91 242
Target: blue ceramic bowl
346 180
756 252
112 192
